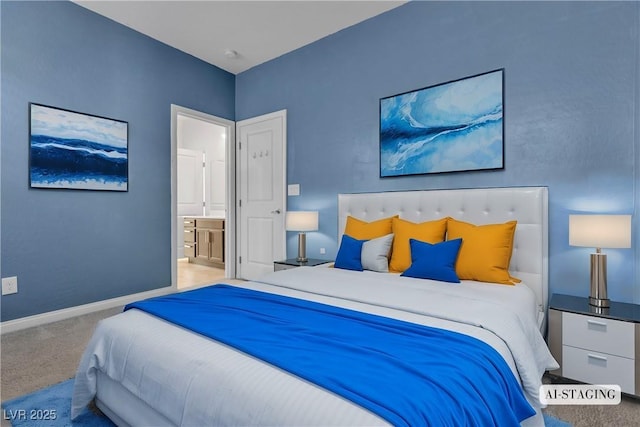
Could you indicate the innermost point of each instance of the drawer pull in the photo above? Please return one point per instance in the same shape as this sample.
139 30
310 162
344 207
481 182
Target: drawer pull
594 356
188 231
596 323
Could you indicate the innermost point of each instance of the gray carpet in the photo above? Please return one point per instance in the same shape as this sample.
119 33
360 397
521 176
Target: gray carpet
38 357
627 414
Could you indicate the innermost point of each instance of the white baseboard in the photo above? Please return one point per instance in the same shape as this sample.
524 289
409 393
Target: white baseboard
66 313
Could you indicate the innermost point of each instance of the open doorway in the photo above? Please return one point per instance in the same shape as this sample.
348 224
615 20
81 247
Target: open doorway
203 200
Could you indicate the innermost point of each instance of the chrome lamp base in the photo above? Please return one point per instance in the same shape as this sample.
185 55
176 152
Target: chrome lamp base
302 248
599 302
598 296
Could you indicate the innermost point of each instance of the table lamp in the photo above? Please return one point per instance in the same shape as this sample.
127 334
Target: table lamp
599 231
302 221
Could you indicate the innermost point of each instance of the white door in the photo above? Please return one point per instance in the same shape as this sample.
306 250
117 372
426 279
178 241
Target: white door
190 190
216 179
190 178
262 181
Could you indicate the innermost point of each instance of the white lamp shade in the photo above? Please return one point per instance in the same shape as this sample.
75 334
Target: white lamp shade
600 231
302 221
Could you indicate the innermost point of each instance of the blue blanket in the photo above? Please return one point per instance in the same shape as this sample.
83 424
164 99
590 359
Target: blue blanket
408 374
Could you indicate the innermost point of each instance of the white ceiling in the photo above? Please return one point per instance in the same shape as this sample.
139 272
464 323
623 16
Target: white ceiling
257 30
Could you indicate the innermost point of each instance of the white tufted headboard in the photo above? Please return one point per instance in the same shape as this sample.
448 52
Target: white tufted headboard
527 205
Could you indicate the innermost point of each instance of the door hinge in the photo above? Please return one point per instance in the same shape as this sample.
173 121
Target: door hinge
239 145
240 260
240 203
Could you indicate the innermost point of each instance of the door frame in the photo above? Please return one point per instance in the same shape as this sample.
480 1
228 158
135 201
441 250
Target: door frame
230 202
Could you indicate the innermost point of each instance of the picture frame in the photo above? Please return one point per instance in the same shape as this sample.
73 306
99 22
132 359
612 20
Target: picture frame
449 127
77 151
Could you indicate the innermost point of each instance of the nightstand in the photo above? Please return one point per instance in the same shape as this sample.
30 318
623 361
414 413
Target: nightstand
595 345
293 263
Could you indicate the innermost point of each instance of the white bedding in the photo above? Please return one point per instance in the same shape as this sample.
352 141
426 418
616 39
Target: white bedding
191 380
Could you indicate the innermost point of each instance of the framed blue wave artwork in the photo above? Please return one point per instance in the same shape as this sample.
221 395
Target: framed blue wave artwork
77 151
450 127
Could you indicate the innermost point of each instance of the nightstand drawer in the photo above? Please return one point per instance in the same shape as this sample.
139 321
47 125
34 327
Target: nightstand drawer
598 368
598 334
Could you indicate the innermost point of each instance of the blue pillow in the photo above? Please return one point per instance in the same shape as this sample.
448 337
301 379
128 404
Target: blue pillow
349 254
435 262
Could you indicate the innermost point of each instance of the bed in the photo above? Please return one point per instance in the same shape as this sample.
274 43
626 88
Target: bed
149 369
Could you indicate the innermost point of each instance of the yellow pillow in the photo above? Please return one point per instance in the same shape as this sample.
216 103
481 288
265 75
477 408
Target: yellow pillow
363 230
403 230
485 253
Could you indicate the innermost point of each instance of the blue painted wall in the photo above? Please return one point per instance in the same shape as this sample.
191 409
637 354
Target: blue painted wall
75 247
572 117
572 114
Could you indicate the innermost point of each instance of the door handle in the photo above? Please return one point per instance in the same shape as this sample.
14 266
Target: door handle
277 211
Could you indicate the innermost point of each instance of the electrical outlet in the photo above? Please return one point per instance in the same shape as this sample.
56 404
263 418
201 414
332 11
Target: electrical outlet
10 285
322 251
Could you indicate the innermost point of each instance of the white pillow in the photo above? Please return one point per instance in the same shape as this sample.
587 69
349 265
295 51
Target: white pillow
375 254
